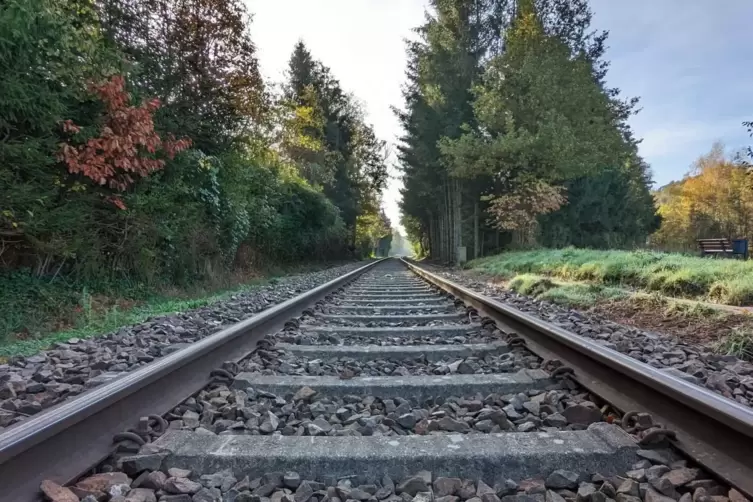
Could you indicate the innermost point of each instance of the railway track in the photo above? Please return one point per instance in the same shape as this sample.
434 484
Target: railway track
389 384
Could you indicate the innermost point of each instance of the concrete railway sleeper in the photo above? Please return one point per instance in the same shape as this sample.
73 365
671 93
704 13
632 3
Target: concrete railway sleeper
388 389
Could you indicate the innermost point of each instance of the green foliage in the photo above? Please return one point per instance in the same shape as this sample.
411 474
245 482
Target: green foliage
531 285
40 312
723 281
373 234
541 113
610 209
326 136
568 294
243 198
198 58
506 110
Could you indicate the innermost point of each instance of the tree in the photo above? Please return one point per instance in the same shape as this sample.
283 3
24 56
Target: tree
610 209
442 68
198 58
544 120
330 140
713 200
541 122
125 148
374 234
47 55
460 48
302 70
243 195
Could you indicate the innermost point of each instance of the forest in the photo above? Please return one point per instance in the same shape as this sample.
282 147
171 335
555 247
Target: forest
141 140
140 147
513 139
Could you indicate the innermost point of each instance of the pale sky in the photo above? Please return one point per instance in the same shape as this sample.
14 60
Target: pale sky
688 61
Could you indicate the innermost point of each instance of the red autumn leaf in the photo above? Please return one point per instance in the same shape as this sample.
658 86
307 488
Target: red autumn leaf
126 139
117 202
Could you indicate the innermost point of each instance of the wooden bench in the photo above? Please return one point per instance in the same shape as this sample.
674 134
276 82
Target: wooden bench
722 247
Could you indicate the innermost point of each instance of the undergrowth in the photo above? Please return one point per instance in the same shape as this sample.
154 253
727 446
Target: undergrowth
568 294
676 308
724 281
38 312
738 343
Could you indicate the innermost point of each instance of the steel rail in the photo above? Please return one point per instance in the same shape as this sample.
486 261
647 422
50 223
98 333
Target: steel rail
70 438
714 431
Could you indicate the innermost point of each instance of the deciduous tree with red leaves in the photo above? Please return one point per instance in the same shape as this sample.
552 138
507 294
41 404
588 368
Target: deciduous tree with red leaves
126 148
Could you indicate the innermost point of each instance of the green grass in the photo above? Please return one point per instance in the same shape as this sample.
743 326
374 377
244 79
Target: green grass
87 321
739 343
36 312
722 281
568 294
675 308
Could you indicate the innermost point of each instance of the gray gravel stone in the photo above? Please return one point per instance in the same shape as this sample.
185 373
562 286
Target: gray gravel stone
231 411
680 477
726 375
582 414
141 495
653 456
561 479
446 486
68 368
181 485
654 496
291 480
413 485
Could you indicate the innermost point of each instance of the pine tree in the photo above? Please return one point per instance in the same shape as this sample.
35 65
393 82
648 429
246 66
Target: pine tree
458 43
335 148
543 118
301 72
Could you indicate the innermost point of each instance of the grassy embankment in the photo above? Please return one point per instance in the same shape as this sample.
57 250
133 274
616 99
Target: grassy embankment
36 312
659 283
723 281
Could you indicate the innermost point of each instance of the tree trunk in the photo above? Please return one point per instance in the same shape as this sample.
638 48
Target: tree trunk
476 244
444 222
431 252
441 243
457 219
